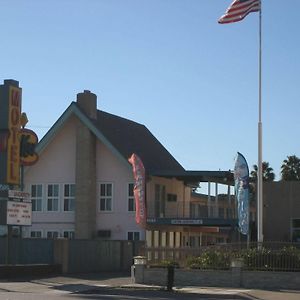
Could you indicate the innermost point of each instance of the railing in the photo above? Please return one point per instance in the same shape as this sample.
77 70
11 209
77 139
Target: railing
180 209
263 257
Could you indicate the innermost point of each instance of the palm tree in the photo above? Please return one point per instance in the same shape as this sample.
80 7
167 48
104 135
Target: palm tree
290 169
267 172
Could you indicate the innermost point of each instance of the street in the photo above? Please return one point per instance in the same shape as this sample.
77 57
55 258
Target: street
111 293
110 286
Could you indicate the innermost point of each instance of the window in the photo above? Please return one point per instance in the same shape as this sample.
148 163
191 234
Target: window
36 197
194 241
69 197
69 234
194 210
104 233
106 197
296 230
133 236
52 234
211 212
159 200
221 212
130 196
172 197
203 211
229 213
36 234
220 240
198 210
52 197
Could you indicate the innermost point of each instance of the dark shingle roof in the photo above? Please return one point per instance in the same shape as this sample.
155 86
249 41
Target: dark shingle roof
130 137
125 137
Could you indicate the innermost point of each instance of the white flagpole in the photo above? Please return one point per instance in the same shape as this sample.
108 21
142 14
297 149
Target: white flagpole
259 165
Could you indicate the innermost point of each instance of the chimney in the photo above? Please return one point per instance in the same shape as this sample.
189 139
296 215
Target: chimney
87 101
85 170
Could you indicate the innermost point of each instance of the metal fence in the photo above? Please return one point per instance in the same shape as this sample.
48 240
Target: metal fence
270 256
74 255
26 251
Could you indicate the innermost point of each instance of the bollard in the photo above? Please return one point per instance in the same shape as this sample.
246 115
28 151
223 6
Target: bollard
137 270
170 278
236 272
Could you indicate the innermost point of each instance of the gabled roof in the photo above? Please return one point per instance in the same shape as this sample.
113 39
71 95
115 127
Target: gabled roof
131 137
122 136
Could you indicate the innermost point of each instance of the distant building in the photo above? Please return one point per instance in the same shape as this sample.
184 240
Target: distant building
281 218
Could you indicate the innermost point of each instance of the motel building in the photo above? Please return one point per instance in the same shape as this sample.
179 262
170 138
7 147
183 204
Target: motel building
82 185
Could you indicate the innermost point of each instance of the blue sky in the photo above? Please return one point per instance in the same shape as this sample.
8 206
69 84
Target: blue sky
167 64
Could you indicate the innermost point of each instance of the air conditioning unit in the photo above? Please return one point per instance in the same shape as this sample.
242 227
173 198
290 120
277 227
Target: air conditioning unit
104 233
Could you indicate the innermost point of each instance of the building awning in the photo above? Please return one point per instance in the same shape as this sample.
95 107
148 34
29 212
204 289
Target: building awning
195 177
211 222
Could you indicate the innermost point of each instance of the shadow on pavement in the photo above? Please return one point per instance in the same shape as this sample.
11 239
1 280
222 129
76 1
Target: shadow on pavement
144 293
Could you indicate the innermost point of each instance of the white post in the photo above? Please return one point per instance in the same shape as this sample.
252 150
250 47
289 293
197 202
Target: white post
229 203
216 215
209 199
259 165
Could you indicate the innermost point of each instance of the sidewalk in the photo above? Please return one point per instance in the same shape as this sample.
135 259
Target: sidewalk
245 293
87 282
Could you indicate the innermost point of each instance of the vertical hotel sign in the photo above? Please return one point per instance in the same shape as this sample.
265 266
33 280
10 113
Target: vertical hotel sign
13 145
10 123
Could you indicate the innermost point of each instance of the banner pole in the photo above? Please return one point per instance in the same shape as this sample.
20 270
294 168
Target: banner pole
260 171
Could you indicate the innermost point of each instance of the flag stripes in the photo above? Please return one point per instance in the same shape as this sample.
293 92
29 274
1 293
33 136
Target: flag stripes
238 10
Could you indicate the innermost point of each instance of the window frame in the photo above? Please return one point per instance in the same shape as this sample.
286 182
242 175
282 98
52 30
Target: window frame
160 196
36 231
171 197
134 233
295 228
69 198
106 197
130 198
36 198
53 197
70 233
53 231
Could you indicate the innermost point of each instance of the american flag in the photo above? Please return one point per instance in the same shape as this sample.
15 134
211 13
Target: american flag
238 10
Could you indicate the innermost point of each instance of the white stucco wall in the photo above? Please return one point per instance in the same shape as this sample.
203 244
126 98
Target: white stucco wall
112 169
56 165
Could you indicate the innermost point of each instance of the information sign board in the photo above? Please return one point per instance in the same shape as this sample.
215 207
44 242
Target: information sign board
18 213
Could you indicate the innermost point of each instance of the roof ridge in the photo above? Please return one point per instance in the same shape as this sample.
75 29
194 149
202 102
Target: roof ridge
119 117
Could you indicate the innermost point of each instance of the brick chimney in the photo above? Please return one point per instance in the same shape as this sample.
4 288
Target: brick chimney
85 178
87 101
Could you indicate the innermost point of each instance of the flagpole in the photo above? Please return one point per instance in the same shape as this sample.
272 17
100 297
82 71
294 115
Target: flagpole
259 175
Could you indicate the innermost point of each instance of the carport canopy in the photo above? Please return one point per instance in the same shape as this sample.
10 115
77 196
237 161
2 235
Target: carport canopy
193 178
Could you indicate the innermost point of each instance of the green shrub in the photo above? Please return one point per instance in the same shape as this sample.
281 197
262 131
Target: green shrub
254 259
287 258
165 263
262 259
210 259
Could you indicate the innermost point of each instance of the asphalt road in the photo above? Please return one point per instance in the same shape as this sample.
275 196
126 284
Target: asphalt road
112 294
110 286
